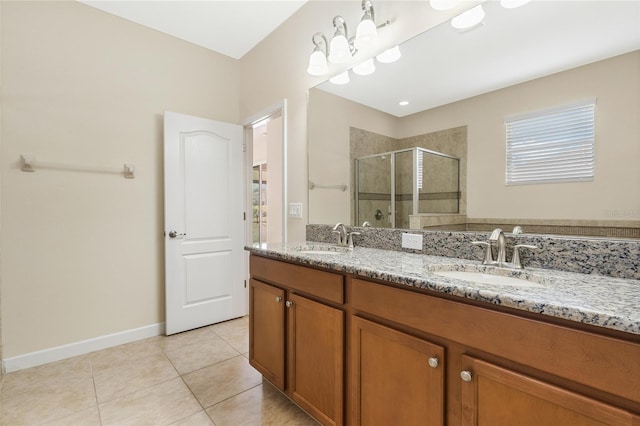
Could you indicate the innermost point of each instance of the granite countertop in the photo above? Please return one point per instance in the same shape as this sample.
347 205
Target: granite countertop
597 300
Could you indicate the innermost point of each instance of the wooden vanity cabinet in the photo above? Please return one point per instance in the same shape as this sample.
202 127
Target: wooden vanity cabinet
493 395
398 379
420 359
267 331
296 338
490 361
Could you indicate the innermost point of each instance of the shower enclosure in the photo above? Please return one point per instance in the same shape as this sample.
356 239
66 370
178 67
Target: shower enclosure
391 186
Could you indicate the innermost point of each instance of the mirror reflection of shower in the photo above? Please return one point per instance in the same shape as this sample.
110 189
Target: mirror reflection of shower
391 186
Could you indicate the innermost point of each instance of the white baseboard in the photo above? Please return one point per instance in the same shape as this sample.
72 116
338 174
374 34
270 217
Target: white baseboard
80 348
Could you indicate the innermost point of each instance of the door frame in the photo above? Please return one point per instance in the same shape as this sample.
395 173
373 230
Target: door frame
280 108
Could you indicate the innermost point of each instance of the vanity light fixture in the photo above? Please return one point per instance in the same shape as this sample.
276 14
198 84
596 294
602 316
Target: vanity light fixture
366 32
340 50
390 55
342 78
318 59
468 19
366 67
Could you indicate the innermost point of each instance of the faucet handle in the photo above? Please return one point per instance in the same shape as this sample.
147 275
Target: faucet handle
488 257
515 260
350 238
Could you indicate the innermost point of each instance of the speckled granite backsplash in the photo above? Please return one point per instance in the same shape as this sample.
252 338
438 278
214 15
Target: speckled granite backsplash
614 258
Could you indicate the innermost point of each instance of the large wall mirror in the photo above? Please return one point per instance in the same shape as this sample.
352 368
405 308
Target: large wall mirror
460 88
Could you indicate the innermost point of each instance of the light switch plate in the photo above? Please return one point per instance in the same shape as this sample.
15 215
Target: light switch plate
412 241
295 210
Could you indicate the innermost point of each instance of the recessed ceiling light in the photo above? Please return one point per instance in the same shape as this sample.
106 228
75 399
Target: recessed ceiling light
403 103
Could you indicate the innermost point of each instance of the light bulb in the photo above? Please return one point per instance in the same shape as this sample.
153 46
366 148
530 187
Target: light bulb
339 51
468 19
317 63
389 55
342 78
365 33
365 68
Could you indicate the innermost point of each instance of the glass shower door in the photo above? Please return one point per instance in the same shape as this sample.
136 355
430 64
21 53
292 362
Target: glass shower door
373 191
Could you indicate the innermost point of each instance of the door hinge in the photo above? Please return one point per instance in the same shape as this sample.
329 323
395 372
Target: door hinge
244 215
245 283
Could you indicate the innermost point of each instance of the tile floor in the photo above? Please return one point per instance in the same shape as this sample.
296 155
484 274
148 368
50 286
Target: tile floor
200 377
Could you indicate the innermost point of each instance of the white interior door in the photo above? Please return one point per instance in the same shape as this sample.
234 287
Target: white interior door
204 231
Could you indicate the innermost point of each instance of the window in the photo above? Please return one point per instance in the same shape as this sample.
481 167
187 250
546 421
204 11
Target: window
554 145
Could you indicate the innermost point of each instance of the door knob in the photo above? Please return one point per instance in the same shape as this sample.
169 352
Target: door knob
174 234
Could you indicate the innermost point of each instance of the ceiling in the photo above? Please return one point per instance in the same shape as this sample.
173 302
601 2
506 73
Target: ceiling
232 28
512 46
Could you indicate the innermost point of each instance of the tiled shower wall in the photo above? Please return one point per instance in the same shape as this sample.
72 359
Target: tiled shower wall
378 172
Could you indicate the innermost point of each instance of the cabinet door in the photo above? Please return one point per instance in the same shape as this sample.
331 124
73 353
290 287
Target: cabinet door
316 358
267 331
398 378
494 395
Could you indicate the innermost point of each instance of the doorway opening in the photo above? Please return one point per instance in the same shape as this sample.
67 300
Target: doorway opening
266 181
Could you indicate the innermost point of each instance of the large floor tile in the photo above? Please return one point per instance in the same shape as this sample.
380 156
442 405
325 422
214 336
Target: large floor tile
126 376
198 419
235 333
223 380
47 393
162 404
261 406
48 375
88 417
179 340
201 354
127 352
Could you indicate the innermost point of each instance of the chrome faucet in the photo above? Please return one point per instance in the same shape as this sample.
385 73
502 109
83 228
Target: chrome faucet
341 230
497 236
498 239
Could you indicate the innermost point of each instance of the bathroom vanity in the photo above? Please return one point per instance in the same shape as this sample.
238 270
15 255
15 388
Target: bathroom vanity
380 337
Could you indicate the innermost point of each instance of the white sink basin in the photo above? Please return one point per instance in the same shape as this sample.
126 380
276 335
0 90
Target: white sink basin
488 275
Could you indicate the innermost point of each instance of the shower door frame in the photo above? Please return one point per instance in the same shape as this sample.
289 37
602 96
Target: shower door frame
416 193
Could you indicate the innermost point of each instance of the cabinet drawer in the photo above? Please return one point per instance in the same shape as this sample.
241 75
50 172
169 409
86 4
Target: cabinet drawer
602 362
325 285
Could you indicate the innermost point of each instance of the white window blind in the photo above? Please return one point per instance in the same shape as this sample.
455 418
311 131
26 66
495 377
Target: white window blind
554 145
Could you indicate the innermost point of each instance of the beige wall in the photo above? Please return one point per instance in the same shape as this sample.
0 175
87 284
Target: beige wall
82 253
276 69
330 119
616 185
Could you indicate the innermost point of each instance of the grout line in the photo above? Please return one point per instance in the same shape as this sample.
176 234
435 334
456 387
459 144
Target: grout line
95 390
